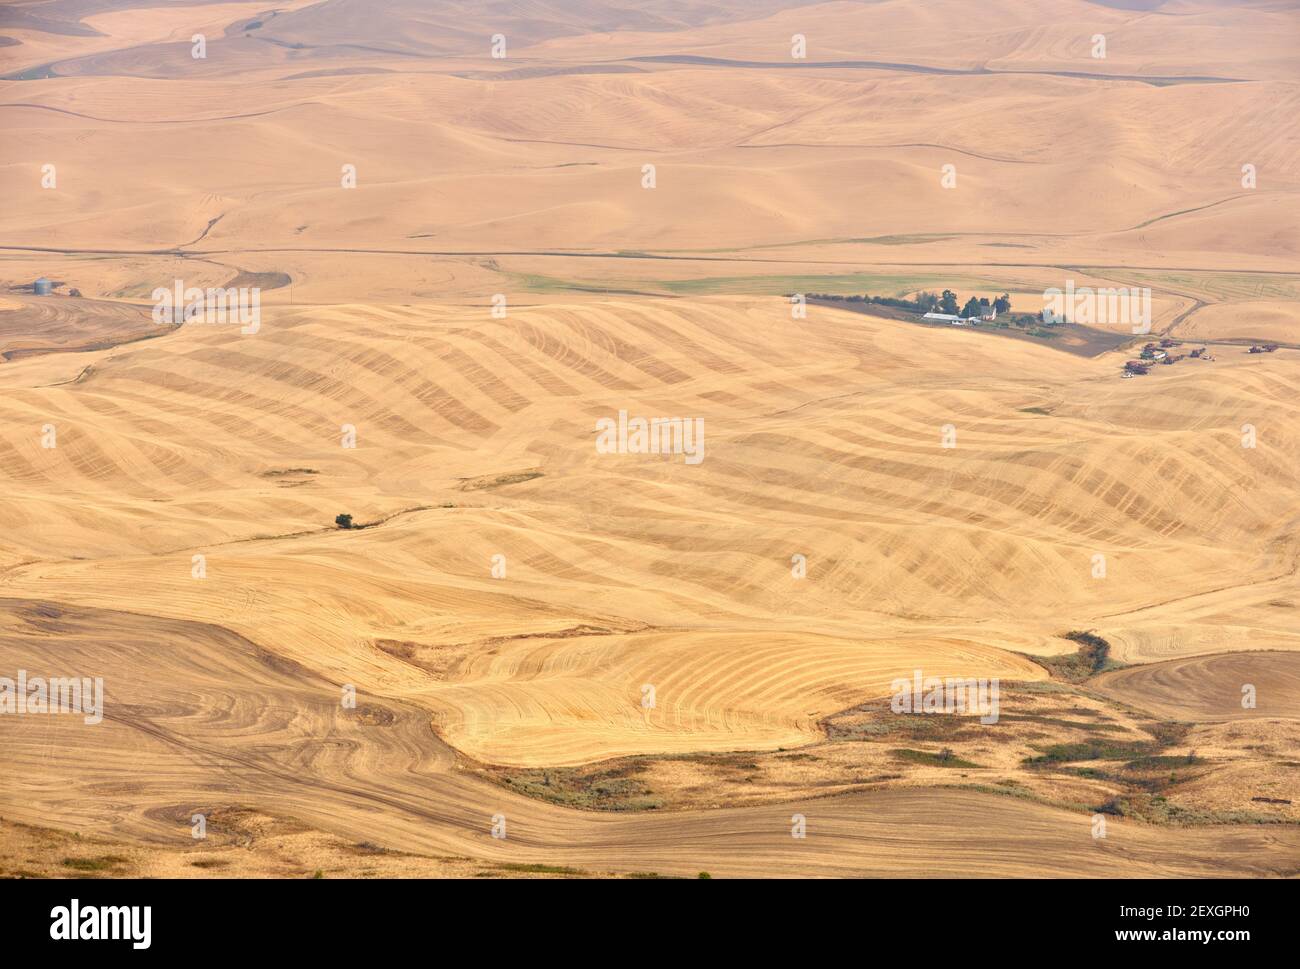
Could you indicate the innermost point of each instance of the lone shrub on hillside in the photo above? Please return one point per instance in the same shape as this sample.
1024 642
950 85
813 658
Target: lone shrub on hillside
343 521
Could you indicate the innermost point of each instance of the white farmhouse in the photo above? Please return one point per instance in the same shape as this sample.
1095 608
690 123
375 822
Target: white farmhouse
987 315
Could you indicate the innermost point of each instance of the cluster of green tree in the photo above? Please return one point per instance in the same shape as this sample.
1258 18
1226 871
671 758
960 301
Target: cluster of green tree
902 304
975 306
928 302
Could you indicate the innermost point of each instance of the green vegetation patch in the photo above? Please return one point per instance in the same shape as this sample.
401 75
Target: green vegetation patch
950 727
945 758
618 788
1168 733
103 863
538 869
1092 657
1156 809
1092 749
1056 722
1163 762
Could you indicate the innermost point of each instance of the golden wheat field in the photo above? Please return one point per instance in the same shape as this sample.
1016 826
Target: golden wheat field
381 579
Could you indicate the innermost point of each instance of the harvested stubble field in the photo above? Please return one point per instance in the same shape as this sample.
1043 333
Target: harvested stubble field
875 497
